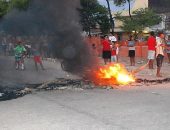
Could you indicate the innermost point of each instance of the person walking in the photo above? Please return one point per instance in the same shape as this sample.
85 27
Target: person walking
20 52
151 49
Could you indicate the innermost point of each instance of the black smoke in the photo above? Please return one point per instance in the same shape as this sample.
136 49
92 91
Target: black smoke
59 21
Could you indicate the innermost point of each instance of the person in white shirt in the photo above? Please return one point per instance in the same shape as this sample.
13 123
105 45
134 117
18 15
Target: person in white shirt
112 38
160 47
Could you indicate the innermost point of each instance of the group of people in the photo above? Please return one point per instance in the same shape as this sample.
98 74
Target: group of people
157 46
21 52
110 49
6 49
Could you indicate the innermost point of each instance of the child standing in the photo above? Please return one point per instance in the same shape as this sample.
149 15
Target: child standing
113 53
37 59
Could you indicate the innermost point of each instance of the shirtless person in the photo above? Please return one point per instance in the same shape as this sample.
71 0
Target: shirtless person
160 46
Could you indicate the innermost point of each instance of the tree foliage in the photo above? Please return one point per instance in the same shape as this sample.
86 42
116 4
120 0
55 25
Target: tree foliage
3 7
142 18
93 14
19 4
120 2
6 6
103 19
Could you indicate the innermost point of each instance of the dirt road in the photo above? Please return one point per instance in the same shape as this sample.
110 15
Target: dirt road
8 74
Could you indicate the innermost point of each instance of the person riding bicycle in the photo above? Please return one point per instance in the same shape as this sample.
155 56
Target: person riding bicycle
19 51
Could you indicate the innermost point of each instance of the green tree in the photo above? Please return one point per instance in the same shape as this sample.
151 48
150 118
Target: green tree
142 18
3 7
19 4
102 19
93 14
7 5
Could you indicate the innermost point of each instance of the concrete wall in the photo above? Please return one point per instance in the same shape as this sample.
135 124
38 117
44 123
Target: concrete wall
141 51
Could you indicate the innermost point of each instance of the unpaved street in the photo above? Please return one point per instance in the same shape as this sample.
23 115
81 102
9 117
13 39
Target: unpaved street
10 76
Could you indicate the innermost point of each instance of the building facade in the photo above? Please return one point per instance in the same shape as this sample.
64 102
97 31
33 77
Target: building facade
162 7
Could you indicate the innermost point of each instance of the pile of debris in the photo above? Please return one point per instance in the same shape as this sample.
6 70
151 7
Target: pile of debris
13 92
155 81
8 93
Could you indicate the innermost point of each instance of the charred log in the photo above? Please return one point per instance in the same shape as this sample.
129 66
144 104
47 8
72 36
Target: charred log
159 81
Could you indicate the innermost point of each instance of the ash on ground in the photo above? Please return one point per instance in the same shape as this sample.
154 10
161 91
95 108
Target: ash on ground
8 93
13 92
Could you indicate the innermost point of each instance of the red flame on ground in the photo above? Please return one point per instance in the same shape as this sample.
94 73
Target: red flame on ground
112 74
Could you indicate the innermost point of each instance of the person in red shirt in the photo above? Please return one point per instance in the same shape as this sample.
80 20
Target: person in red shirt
151 49
37 58
106 50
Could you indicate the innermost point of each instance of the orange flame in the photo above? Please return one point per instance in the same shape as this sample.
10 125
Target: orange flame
113 74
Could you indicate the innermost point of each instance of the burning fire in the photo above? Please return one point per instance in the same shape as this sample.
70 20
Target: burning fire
113 74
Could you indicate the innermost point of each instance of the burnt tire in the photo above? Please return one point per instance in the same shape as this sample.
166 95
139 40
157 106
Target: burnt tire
64 65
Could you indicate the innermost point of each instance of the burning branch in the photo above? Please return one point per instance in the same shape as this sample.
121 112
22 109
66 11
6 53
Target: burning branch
115 74
140 68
